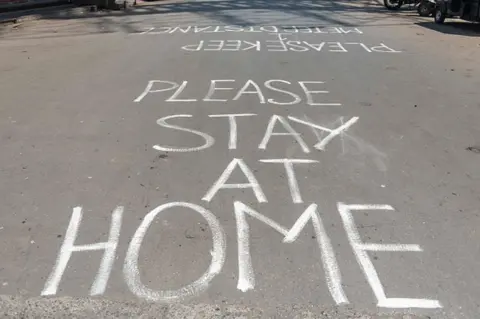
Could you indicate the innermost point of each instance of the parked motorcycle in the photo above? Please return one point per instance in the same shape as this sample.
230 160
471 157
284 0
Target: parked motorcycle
393 4
425 8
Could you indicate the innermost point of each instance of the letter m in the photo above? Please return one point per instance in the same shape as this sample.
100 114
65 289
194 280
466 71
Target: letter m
246 276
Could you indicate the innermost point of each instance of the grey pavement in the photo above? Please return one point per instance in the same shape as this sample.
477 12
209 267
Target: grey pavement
346 185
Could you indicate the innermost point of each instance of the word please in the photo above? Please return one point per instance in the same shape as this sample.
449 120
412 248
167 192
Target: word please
283 45
251 29
282 92
246 274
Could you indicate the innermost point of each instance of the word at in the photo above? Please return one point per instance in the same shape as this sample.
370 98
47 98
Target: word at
284 46
246 274
288 130
288 163
309 89
252 29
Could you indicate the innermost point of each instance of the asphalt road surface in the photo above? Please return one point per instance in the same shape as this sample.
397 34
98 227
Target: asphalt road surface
240 159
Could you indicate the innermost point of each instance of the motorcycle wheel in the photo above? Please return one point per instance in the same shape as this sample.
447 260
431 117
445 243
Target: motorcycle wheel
424 10
393 5
440 14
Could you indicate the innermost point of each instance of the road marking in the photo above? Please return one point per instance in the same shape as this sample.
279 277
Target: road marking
360 249
132 274
68 247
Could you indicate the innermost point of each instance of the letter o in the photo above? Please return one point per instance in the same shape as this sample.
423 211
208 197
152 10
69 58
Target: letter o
130 267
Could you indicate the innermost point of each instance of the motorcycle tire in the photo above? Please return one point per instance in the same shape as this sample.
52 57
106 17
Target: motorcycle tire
440 14
424 9
393 6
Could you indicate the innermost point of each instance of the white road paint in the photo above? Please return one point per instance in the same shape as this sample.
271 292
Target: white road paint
332 133
308 93
232 90
278 45
147 31
132 274
215 45
292 180
100 283
384 48
232 141
336 47
362 147
360 44
213 87
221 182
179 91
257 90
193 47
286 45
290 132
360 249
246 275
148 89
269 132
390 247
209 140
251 29
268 85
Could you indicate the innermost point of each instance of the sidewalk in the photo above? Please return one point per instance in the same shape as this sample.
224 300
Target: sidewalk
34 12
49 9
20 5
66 21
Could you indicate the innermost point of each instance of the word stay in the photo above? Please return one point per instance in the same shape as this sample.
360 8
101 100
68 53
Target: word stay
276 126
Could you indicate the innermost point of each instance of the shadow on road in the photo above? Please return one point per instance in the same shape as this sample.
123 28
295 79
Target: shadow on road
348 13
454 28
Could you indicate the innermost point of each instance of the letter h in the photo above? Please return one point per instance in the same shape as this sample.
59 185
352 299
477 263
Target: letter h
68 247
